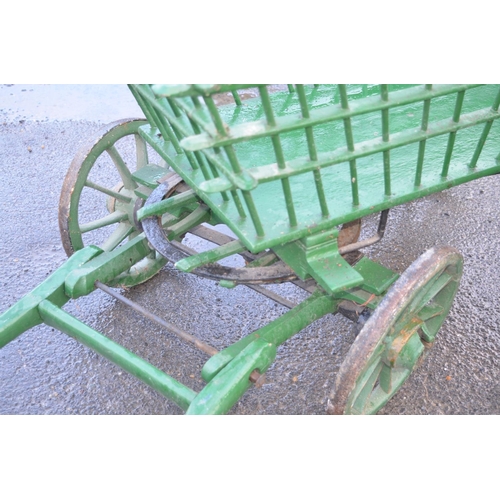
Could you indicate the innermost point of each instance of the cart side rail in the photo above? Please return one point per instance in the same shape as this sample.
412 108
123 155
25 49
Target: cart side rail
231 150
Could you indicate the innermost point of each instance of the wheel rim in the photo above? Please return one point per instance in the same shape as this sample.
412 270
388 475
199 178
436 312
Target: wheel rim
98 201
390 344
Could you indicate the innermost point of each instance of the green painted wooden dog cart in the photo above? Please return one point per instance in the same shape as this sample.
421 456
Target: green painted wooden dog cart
291 170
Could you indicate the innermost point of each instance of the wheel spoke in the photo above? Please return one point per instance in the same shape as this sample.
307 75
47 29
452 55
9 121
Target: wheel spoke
385 380
117 197
427 334
430 311
433 289
103 222
119 234
141 151
410 353
120 165
107 191
365 386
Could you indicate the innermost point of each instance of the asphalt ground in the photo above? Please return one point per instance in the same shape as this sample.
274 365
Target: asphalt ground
45 372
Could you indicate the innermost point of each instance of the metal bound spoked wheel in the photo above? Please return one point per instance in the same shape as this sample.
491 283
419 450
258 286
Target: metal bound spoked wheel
406 322
99 195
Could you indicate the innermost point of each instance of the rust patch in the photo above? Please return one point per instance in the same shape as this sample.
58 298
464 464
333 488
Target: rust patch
349 233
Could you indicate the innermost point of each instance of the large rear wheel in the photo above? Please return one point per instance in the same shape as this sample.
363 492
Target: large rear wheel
392 340
100 194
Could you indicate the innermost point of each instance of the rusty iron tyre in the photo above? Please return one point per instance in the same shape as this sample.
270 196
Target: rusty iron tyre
98 200
391 342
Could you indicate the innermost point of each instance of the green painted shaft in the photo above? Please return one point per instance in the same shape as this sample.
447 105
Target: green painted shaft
278 331
221 393
24 314
315 307
138 367
106 267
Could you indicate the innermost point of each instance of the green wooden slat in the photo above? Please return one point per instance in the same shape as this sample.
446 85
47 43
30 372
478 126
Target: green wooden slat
313 154
233 161
266 105
384 92
164 90
143 104
216 118
238 204
257 129
484 135
421 146
181 123
252 209
339 196
267 173
173 106
236 97
451 139
350 146
256 170
280 158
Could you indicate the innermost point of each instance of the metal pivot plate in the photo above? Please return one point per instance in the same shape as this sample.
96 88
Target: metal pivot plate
388 347
99 196
157 238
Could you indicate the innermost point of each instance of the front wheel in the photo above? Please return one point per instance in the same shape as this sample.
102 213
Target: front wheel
392 340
